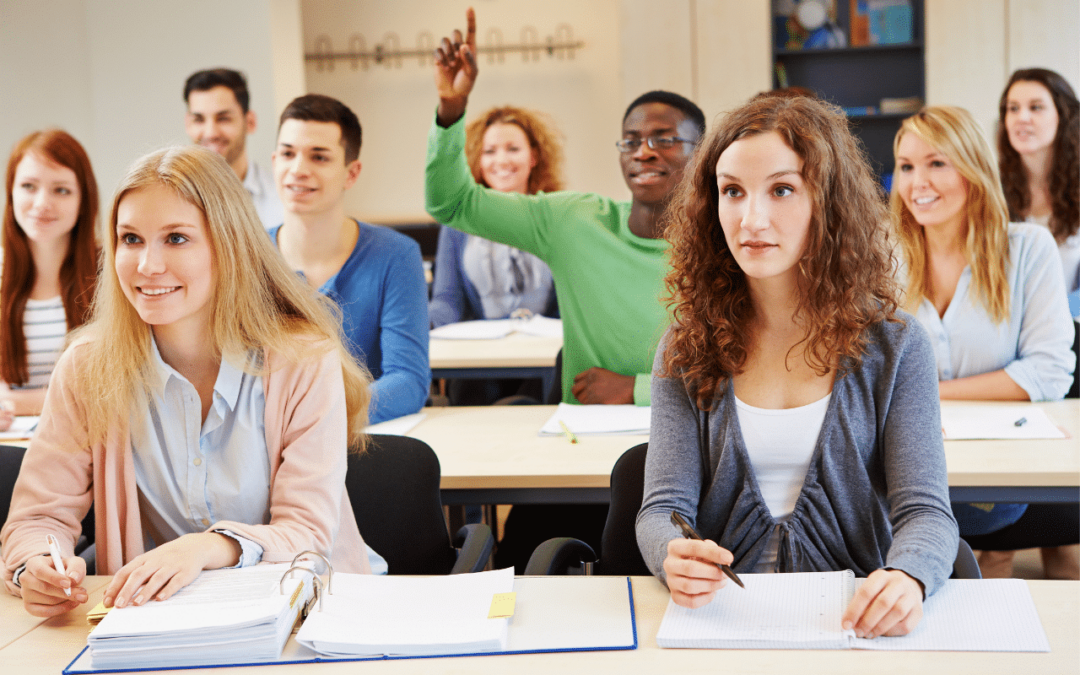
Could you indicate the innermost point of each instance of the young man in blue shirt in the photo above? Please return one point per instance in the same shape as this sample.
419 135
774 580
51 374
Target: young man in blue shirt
374 274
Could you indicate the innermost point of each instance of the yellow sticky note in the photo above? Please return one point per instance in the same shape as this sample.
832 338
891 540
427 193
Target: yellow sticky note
502 605
95 615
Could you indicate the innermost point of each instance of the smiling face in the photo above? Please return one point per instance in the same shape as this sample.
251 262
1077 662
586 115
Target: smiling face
506 158
764 206
652 174
309 167
215 121
45 199
164 261
929 185
1031 119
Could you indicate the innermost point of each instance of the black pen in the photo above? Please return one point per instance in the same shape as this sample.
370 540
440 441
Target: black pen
1020 422
689 533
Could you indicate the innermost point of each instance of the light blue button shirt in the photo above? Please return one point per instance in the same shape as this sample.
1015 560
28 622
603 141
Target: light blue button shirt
1034 345
192 474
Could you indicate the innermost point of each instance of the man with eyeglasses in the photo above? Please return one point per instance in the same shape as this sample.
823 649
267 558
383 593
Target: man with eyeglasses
606 256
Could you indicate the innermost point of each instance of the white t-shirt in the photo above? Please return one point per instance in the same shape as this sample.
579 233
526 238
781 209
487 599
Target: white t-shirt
780 444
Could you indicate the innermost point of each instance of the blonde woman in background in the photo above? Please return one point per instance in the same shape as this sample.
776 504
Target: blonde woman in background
989 292
199 332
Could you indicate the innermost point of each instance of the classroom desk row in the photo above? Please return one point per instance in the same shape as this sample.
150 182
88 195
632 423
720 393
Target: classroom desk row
493 455
29 645
516 355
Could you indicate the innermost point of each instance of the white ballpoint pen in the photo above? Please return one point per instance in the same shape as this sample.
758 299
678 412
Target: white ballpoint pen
58 562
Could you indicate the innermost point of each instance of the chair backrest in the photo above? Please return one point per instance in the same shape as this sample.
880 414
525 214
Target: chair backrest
965 566
554 395
11 458
619 552
394 490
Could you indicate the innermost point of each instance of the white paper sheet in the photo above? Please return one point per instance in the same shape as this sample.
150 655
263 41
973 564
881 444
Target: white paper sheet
399 426
22 427
493 329
972 422
599 419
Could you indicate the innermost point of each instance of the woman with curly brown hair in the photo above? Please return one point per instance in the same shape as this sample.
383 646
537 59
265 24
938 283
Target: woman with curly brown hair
1039 158
795 414
509 150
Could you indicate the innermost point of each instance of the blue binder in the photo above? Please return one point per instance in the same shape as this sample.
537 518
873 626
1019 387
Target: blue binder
553 614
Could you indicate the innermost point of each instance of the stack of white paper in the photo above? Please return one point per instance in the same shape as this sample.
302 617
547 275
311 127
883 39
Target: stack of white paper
598 419
224 616
369 615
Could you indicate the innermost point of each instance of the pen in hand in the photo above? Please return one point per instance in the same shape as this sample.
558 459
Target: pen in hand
58 561
689 533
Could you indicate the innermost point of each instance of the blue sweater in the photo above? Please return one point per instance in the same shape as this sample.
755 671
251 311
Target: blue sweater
383 299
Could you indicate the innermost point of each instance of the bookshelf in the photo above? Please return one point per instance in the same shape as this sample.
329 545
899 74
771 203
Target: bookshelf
859 77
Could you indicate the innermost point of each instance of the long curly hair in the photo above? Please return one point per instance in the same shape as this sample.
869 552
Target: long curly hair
546 176
845 281
954 133
1065 162
78 273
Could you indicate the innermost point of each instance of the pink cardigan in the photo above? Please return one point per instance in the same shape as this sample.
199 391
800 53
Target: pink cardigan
305 437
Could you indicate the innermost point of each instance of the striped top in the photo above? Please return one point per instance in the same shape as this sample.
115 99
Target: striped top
45 327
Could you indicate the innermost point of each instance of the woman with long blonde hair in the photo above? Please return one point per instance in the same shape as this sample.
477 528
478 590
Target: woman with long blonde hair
795 412
990 293
205 410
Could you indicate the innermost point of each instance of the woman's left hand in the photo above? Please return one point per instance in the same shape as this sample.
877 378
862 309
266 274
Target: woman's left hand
889 602
165 570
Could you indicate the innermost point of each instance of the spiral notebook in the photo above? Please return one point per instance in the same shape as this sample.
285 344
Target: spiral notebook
803 610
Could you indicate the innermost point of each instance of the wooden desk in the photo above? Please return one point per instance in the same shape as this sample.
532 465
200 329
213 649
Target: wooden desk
493 455
516 355
53 644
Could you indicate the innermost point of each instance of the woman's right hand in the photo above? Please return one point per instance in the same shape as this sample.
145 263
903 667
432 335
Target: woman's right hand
43 587
692 573
455 71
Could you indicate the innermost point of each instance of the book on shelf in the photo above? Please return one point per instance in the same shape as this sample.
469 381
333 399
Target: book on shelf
900 106
881 22
803 611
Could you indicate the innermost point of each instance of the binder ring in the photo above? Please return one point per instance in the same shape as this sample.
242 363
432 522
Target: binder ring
329 568
317 581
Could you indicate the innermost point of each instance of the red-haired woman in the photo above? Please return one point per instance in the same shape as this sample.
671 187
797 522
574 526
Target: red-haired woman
50 262
795 418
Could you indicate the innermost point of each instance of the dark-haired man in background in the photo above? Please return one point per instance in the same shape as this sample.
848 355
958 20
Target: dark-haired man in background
374 274
219 118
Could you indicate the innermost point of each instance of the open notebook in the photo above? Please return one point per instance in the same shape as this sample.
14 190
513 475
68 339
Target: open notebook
377 617
803 610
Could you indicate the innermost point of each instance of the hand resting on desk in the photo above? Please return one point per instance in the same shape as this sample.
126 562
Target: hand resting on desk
43 587
601 386
166 569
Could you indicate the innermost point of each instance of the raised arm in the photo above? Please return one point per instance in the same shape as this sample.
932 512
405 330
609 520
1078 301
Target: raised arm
456 71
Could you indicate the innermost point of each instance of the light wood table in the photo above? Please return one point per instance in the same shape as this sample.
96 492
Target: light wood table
53 644
493 455
1024 471
516 355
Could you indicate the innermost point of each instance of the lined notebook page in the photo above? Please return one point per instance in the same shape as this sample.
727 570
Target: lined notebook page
774 611
973 615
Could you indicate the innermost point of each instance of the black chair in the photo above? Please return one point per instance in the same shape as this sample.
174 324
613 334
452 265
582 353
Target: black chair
394 490
620 554
618 544
553 396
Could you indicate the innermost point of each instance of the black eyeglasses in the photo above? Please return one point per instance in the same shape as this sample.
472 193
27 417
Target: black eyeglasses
654 142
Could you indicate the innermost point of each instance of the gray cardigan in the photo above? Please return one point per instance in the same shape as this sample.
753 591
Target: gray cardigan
875 495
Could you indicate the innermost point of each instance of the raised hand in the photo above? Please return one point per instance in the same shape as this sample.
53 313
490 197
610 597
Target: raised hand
455 71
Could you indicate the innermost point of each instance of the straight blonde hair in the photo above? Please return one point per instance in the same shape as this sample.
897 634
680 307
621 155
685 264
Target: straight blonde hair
954 133
258 305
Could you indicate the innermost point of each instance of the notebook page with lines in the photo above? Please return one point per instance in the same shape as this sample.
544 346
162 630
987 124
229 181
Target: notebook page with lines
802 611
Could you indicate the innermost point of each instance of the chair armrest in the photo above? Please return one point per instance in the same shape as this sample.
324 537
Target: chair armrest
554 556
474 543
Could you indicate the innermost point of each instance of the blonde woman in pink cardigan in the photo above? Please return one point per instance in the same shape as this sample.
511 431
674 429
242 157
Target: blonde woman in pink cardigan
205 409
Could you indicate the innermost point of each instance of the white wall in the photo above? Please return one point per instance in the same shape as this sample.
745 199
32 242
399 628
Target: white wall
112 72
972 46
